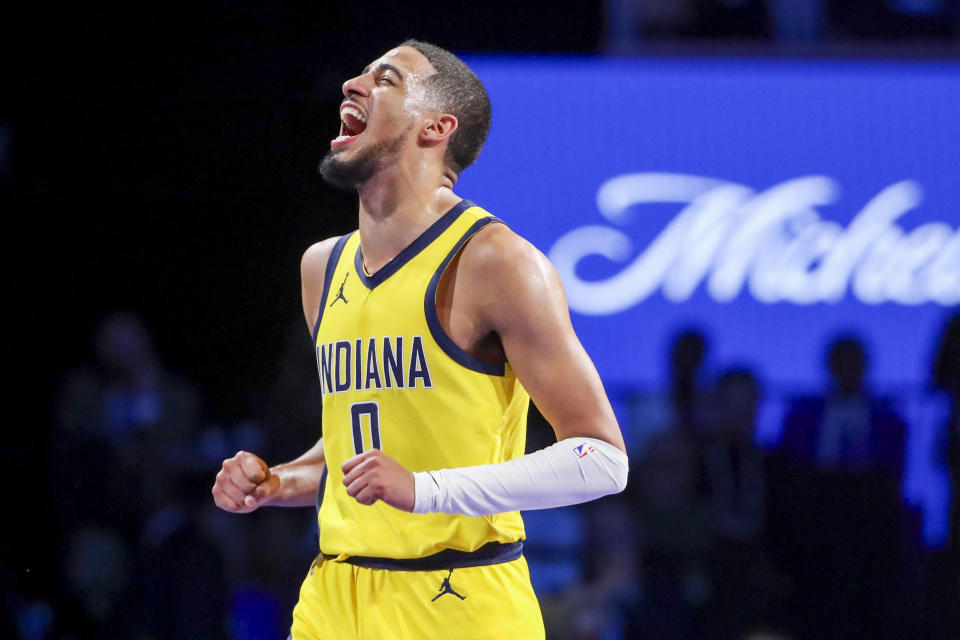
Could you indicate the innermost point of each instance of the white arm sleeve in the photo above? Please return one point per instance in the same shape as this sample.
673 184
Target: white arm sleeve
571 471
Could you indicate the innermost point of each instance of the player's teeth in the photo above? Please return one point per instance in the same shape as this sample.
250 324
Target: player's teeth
353 112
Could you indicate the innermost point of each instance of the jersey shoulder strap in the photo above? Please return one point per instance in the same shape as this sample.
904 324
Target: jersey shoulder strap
332 263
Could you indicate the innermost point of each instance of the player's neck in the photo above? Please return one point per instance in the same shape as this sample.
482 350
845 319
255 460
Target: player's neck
395 208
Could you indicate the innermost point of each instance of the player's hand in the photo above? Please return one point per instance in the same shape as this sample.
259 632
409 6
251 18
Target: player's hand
244 483
373 475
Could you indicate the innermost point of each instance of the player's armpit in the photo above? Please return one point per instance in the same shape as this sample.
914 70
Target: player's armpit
519 296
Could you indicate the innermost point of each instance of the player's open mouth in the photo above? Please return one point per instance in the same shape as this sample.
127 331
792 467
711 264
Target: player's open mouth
352 124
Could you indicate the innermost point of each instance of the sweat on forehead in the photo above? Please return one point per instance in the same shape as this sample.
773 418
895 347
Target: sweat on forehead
403 61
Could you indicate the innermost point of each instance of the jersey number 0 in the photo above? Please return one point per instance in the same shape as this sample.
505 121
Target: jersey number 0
372 411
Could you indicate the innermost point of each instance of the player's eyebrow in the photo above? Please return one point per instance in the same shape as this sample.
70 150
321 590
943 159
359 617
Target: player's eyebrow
385 66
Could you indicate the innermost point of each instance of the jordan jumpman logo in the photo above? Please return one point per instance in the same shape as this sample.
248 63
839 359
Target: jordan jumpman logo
340 295
445 588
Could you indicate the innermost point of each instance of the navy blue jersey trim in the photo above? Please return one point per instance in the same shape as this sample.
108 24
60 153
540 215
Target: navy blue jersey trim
323 483
319 498
446 343
432 233
490 553
327 277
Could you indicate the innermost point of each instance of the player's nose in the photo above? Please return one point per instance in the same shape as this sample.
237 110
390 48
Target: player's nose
355 86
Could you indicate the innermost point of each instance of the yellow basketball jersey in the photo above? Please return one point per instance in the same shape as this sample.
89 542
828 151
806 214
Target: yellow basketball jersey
392 378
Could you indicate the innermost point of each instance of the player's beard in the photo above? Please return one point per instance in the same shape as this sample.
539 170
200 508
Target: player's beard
353 173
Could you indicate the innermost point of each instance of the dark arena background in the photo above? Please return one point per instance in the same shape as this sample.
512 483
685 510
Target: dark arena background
754 206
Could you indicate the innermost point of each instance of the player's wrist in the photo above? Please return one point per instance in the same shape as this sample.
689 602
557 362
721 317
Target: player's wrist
426 491
291 485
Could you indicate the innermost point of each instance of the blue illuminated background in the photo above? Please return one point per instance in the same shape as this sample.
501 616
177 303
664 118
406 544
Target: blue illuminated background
798 166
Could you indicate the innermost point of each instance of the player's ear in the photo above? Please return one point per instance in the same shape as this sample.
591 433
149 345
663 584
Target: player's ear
438 128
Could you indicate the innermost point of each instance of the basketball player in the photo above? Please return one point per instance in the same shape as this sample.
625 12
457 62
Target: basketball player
434 325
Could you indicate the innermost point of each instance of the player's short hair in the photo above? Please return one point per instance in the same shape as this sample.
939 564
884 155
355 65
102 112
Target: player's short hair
455 89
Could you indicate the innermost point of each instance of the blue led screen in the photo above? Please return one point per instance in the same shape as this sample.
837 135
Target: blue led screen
771 203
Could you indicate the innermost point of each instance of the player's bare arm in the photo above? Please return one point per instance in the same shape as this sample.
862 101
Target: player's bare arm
298 480
513 293
245 482
313 269
502 299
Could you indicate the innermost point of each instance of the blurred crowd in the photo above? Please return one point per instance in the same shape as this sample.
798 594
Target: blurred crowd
144 554
716 536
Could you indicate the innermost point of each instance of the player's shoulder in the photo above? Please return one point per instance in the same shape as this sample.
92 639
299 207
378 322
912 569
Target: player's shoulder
313 269
507 280
497 247
496 256
313 264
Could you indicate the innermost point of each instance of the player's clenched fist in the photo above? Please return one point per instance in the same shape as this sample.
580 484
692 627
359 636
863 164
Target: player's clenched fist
244 483
373 475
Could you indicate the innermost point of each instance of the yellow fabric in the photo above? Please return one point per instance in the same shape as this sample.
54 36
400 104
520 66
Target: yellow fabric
339 601
446 415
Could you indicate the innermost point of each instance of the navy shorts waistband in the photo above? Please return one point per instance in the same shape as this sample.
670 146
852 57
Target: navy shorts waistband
490 553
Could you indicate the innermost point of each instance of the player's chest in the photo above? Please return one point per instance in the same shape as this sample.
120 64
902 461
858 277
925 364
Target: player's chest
410 304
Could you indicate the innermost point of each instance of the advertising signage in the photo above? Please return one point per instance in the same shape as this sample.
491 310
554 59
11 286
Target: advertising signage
771 203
